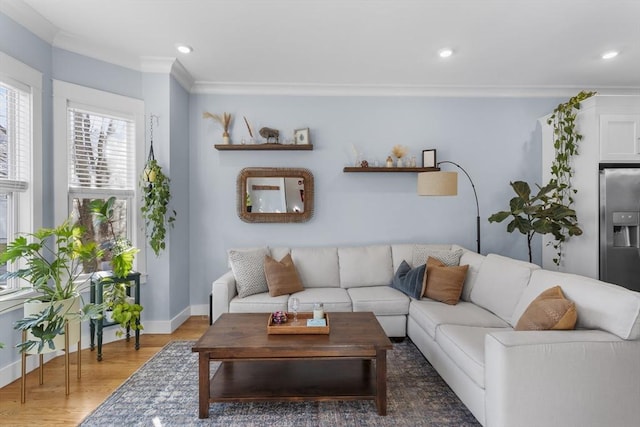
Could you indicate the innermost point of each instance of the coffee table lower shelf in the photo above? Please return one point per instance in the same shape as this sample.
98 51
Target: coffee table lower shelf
294 380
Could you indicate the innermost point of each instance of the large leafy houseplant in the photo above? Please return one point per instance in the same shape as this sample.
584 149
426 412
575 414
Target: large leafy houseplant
51 260
540 213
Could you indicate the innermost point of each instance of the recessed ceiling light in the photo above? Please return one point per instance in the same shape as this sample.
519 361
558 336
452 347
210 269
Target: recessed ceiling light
183 48
610 54
445 52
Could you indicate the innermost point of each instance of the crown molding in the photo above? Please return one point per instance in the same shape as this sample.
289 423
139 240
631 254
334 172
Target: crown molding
182 75
298 89
156 64
167 65
26 16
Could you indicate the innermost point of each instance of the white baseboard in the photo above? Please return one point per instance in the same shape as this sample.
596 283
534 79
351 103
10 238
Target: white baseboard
200 310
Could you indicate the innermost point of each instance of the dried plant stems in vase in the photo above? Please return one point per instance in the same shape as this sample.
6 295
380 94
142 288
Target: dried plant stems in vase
399 151
225 122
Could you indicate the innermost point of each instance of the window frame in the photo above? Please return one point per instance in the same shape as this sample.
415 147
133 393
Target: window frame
67 95
26 213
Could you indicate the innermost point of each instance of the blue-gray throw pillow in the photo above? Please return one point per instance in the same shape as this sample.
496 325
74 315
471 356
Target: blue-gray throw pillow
409 280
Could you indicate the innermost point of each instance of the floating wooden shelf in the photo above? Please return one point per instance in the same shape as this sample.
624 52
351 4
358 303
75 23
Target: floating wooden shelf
269 146
389 170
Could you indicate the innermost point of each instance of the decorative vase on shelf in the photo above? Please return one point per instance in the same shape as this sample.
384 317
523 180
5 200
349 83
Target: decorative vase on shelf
399 163
225 138
389 162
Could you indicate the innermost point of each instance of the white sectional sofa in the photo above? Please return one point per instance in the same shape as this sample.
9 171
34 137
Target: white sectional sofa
585 377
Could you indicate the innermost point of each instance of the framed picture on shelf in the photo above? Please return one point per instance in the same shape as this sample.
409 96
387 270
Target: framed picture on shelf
429 158
301 136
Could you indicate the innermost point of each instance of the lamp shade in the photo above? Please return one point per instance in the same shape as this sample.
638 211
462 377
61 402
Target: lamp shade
437 183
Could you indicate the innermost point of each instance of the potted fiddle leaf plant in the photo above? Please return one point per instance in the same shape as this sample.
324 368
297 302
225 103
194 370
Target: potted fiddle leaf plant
51 261
540 213
119 307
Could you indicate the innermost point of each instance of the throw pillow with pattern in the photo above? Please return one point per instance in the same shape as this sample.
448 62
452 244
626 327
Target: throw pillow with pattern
248 270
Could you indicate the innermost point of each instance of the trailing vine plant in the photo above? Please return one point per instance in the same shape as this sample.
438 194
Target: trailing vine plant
156 195
566 139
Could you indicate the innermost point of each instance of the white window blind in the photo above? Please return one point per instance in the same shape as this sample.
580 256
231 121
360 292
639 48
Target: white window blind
101 152
15 138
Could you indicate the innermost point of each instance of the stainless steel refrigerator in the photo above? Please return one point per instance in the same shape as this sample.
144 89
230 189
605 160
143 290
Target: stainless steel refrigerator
620 224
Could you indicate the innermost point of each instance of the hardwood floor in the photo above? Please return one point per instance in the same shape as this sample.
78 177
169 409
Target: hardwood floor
47 404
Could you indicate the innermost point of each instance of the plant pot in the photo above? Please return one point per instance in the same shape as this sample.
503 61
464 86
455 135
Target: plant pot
70 306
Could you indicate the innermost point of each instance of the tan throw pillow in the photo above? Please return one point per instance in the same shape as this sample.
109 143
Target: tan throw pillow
444 283
550 310
282 277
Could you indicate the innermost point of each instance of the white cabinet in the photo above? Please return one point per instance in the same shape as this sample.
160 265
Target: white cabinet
619 137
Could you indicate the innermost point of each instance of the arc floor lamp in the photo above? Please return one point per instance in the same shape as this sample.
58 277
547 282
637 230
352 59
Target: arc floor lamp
446 184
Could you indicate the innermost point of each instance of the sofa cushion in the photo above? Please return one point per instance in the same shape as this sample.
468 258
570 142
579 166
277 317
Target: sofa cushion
500 284
550 310
409 281
258 303
442 282
600 305
248 269
334 299
381 300
282 276
365 266
317 267
465 346
402 252
431 314
447 256
474 261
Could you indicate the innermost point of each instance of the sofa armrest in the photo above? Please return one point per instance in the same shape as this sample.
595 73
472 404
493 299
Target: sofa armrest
561 378
223 290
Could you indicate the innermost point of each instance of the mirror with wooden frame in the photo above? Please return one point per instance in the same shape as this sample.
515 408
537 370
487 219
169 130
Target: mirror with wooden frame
275 195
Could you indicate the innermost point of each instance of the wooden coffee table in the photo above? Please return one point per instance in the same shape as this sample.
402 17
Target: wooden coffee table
350 363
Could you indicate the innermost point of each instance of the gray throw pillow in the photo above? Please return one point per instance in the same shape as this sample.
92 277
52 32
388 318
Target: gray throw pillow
248 270
409 280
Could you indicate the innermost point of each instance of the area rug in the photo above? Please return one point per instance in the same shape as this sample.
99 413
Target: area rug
164 393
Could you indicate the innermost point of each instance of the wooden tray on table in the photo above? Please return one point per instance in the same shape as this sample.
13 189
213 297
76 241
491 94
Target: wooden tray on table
299 327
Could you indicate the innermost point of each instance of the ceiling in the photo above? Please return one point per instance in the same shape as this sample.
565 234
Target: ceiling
500 46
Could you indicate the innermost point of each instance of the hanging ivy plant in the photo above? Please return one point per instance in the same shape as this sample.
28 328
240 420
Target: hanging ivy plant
566 139
156 195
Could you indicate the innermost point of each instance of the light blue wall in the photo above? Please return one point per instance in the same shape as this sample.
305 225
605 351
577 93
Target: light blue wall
84 71
178 242
157 103
496 140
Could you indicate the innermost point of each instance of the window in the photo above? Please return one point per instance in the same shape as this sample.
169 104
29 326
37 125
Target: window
99 141
20 139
